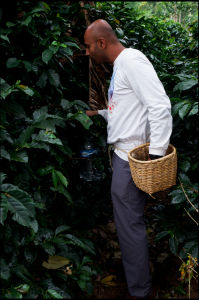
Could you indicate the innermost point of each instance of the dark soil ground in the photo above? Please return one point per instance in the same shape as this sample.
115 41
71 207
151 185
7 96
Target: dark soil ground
166 274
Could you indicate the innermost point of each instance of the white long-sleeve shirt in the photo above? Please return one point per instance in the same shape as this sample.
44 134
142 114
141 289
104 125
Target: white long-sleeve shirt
139 111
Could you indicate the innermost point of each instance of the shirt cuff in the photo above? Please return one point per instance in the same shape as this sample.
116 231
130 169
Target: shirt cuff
103 113
157 151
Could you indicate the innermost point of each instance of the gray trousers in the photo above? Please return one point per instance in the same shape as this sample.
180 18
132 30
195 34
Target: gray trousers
128 210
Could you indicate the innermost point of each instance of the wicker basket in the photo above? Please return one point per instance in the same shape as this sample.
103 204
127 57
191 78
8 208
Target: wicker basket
156 175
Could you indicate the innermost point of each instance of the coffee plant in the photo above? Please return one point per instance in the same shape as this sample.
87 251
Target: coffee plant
46 209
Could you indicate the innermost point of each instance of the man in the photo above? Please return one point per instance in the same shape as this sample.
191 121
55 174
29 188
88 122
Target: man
139 112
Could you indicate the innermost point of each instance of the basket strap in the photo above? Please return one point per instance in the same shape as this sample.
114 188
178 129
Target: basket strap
119 149
110 147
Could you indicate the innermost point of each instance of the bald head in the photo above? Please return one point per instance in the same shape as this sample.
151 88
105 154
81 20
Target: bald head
101 42
101 28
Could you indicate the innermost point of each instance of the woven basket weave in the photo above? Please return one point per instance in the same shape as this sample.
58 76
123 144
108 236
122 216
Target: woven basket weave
156 175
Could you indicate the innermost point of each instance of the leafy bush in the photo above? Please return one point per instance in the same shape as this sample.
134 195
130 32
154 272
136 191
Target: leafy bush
43 201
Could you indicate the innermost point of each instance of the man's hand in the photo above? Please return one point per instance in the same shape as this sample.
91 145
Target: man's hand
91 113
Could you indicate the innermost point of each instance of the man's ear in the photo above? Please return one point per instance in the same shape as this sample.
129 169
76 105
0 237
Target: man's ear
101 43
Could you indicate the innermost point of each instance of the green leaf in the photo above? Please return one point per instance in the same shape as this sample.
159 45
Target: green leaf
194 110
12 62
47 55
26 21
39 145
185 179
3 118
65 52
53 77
4 37
82 284
75 240
67 104
21 156
61 229
12 107
54 294
84 120
46 5
42 80
45 124
37 94
90 288
184 110
47 137
9 24
176 108
194 251
25 135
5 135
30 253
26 90
179 290
2 177
3 208
24 288
88 246
83 104
34 225
4 270
184 165
62 178
84 277
23 270
71 44
86 259
27 65
7 232
38 113
179 198
62 190
54 49
55 178
13 294
5 154
45 171
21 205
185 85
49 248
119 32
173 245
161 236
68 196
17 271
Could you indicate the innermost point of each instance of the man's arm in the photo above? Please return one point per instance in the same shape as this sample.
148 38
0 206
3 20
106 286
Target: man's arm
102 112
147 86
91 113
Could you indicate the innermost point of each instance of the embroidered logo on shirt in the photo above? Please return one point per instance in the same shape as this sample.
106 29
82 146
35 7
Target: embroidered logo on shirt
111 103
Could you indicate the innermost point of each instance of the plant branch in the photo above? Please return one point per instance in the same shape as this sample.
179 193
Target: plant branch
188 198
190 216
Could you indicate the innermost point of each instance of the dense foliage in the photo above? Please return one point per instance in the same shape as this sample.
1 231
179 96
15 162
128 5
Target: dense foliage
43 201
44 204
183 12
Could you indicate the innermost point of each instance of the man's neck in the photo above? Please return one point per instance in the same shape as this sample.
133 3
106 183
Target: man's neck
114 52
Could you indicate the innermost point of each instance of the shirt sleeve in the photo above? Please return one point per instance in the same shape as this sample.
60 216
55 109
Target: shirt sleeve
143 78
104 113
